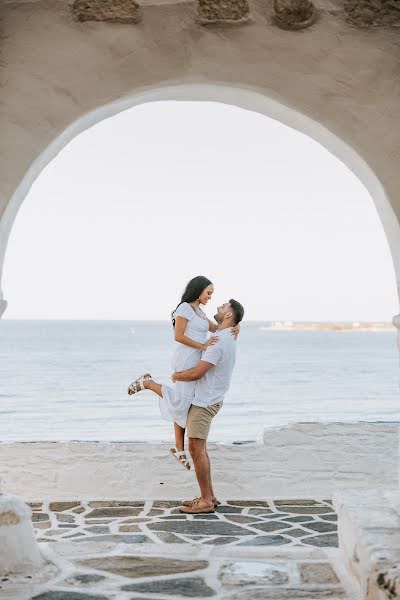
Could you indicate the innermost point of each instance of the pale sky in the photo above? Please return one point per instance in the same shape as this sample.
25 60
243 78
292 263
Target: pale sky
135 206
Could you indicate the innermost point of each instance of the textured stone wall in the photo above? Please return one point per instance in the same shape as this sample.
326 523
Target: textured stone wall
56 67
300 460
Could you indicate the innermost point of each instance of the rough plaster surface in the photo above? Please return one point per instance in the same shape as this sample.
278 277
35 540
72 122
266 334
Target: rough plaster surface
297 461
344 80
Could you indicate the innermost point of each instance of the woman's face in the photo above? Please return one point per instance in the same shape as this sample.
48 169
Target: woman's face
206 294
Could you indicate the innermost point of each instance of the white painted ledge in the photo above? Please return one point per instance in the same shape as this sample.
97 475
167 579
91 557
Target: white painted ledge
300 460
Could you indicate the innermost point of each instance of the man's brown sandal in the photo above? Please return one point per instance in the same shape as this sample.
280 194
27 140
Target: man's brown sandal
190 502
195 509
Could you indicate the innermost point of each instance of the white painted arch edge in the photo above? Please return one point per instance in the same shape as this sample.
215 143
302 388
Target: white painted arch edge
246 98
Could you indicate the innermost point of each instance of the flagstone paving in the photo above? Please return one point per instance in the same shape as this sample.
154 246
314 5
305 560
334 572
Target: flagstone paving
290 522
131 550
119 571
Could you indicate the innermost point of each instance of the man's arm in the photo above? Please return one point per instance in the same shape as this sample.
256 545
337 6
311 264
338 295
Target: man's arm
192 374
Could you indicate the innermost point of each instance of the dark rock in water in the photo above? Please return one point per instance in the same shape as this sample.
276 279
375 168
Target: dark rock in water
190 587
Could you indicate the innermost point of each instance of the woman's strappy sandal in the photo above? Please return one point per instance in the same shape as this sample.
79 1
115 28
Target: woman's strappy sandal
138 385
180 457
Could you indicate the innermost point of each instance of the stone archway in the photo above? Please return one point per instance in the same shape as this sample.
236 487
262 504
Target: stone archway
241 97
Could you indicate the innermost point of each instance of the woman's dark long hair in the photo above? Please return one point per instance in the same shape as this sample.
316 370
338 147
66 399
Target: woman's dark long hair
193 291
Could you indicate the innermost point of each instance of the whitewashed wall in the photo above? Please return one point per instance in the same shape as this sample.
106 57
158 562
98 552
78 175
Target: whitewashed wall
300 460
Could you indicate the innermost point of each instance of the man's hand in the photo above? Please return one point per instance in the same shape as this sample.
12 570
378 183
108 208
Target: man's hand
192 374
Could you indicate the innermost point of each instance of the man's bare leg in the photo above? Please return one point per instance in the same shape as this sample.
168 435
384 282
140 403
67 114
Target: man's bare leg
198 452
209 472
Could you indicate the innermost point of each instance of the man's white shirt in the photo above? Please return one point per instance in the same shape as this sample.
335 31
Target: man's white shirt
212 387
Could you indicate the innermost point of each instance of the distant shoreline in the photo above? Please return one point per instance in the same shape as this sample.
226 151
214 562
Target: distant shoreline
284 325
364 327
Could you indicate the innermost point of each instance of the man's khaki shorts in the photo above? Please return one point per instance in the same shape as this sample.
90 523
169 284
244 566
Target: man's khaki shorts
199 420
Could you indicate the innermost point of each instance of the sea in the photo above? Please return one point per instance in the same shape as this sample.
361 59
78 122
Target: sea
67 380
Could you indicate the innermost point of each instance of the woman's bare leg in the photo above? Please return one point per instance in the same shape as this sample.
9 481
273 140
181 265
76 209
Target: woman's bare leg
154 387
179 437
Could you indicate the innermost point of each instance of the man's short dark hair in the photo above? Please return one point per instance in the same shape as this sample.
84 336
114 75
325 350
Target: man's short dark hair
237 309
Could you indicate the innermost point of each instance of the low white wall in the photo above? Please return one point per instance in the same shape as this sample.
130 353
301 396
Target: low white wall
299 460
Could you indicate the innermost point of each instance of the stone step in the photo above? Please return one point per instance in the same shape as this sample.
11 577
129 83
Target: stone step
102 571
369 540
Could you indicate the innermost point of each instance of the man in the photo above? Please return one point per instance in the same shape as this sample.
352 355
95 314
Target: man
213 375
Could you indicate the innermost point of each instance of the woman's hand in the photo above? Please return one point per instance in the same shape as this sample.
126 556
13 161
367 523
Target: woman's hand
210 342
235 330
173 377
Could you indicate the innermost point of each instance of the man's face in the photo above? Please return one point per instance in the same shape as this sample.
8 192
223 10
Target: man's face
222 311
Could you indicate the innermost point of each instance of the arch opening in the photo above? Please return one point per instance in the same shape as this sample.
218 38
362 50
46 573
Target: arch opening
333 243
247 99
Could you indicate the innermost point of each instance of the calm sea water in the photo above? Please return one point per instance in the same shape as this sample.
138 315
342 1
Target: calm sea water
67 380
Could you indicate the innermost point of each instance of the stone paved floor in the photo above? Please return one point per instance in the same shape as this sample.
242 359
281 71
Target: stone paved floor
293 522
130 550
123 571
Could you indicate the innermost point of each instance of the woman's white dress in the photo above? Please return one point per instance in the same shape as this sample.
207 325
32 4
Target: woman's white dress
176 401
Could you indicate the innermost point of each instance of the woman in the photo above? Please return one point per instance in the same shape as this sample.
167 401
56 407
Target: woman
191 327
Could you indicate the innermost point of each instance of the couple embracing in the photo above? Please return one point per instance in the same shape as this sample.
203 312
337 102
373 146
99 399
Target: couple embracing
203 369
